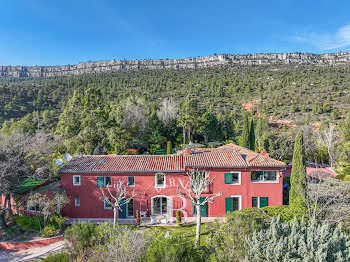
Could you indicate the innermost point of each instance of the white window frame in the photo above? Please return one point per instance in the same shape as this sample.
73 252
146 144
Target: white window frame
104 181
104 205
258 202
239 202
78 184
127 209
266 181
156 180
167 202
35 211
75 202
128 181
239 178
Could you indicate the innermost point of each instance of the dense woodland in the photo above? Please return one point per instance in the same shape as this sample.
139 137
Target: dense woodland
145 109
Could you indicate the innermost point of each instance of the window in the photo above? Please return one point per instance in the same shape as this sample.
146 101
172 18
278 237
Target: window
160 205
108 204
131 181
103 181
260 201
76 180
107 181
263 176
233 203
37 209
130 209
233 178
77 201
160 180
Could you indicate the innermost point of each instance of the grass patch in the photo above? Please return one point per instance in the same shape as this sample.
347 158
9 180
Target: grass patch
28 184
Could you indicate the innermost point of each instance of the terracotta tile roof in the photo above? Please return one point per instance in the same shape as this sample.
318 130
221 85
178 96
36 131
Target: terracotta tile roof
253 158
225 156
122 163
214 158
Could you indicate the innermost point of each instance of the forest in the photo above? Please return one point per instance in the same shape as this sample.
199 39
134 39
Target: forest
148 110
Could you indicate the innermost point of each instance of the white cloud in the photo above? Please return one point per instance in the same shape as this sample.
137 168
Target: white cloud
327 41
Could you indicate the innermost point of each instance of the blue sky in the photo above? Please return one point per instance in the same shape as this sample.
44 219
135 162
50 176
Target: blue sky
50 32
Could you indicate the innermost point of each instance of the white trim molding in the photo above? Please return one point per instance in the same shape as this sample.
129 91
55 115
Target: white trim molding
76 184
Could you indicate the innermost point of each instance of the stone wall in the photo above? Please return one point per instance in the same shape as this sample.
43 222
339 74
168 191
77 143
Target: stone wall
214 60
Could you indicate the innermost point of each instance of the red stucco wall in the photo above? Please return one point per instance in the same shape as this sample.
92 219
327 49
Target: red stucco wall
92 207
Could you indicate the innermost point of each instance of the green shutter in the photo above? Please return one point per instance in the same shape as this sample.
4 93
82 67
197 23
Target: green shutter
264 201
122 212
228 178
229 204
100 181
204 208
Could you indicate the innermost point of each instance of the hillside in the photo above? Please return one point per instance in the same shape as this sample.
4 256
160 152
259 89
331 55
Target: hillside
186 63
288 92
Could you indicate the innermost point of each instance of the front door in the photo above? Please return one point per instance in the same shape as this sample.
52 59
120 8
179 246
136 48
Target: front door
123 206
159 206
204 208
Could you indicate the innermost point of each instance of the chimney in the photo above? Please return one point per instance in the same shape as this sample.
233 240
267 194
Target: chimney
264 153
188 151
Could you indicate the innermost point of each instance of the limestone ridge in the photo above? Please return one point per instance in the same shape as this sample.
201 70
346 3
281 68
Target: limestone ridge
198 62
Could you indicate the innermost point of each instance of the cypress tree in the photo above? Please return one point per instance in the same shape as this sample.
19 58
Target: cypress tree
298 182
252 135
245 133
168 148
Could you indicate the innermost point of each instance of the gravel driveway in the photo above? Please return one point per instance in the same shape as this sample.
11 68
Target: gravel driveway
33 253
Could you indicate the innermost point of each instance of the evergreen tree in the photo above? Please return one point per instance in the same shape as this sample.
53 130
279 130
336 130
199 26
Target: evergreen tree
252 135
245 132
298 181
168 148
298 242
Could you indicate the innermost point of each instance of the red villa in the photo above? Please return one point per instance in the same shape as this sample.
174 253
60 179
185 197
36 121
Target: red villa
245 178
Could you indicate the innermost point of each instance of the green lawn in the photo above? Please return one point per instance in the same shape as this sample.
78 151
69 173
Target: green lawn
188 231
28 184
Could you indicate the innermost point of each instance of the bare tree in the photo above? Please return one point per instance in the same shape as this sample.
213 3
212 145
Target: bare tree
200 182
168 110
327 199
21 156
118 198
329 138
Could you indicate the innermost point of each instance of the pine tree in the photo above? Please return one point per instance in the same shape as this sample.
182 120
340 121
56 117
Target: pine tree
252 135
298 181
245 133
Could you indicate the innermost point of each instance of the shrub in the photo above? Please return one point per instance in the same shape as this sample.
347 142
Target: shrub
286 213
340 177
125 245
298 242
227 242
347 178
178 217
58 221
80 236
138 222
26 222
49 231
173 249
60 257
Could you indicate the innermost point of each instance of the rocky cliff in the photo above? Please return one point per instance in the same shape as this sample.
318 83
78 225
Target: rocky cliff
214 60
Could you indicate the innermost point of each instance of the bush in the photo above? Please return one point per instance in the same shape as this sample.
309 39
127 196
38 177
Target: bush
340 177
80 236
60 257
178 217
173 249
298 242
125 244
286 213
347 178
58 221
227 242
26 222
49 231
